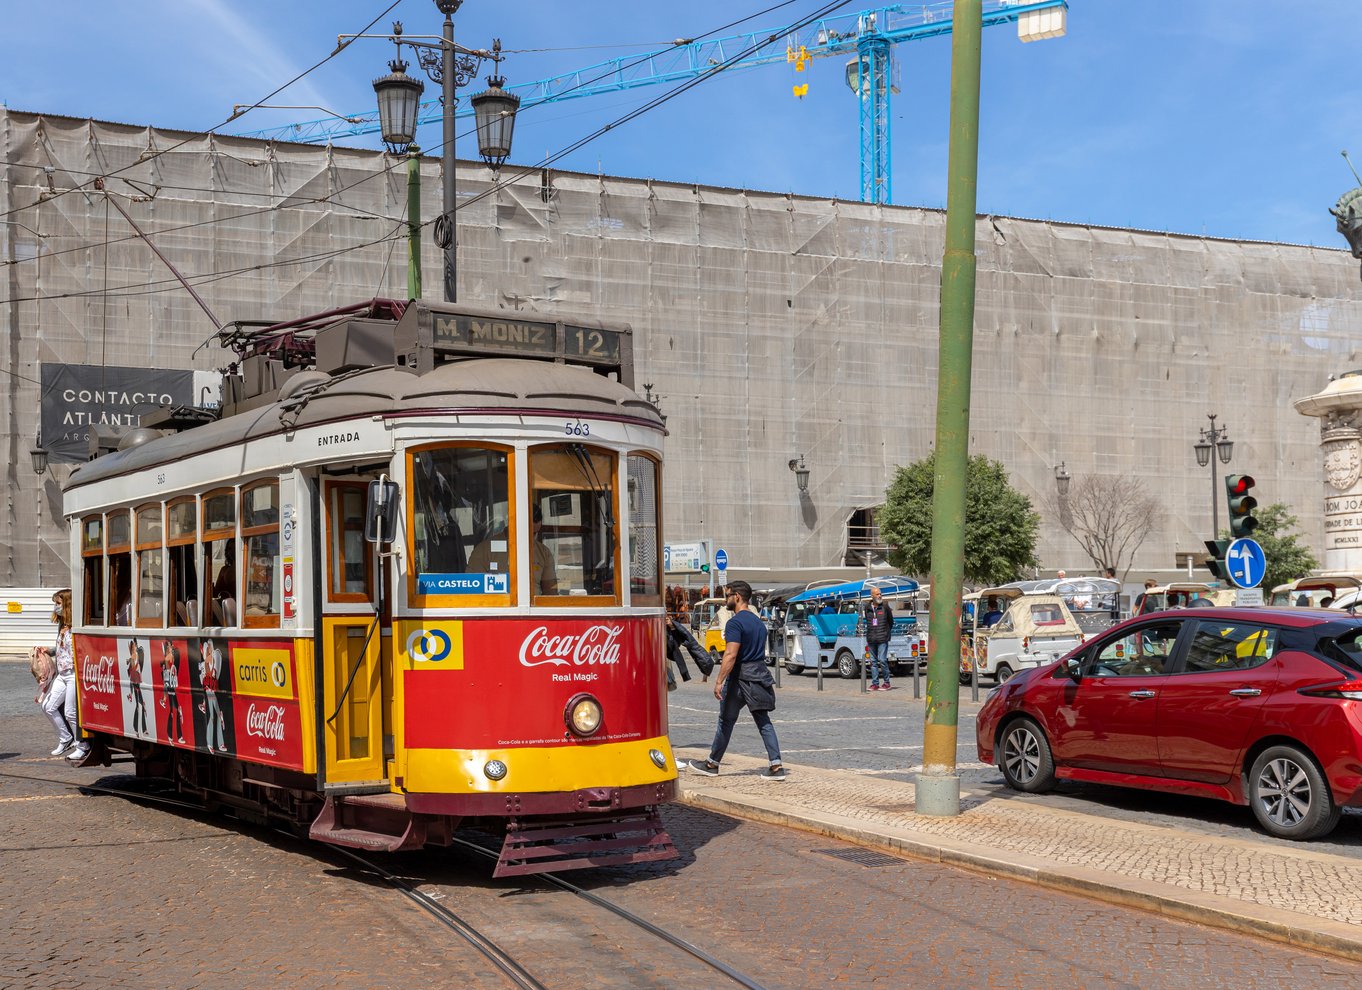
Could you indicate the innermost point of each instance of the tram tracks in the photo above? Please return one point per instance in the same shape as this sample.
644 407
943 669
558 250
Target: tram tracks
502 959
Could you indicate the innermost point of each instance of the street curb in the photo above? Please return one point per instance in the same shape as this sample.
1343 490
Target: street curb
1320 935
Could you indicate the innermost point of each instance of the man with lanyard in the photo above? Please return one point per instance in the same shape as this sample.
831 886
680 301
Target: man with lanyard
743 681
879 626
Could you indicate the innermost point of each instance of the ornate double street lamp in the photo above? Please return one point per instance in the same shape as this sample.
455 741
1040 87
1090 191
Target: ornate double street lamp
1219 439
449 66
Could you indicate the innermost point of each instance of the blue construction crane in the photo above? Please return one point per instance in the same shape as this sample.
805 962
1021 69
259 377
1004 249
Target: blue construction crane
869 37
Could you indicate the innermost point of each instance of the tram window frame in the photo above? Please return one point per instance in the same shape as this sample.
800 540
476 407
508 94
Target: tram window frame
184 610
251 536
338 528
119 557
93 604
149 527
643 597
543 498
417 599
219 610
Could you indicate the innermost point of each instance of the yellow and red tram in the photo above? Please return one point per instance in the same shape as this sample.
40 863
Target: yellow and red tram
408 581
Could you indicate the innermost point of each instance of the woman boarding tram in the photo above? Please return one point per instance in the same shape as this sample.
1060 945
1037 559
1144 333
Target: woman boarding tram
404 593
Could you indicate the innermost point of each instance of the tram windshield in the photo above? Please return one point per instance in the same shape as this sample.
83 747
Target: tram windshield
461 521
572 502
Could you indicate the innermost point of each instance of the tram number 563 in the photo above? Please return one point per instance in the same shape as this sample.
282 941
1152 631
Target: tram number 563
576 428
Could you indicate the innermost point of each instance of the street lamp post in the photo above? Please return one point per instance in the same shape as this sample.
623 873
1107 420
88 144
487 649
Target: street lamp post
449 66
1217 438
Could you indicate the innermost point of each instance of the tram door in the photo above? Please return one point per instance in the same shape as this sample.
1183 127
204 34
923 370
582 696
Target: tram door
358 668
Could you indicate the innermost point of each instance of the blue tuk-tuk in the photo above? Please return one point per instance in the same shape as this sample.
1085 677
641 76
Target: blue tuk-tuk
824 628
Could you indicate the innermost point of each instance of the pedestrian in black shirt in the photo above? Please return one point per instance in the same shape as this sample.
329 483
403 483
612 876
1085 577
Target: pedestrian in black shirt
743 681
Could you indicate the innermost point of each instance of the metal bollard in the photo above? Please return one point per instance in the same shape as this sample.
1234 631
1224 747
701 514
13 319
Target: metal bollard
974 680
917 690
778 665
818 666
864 664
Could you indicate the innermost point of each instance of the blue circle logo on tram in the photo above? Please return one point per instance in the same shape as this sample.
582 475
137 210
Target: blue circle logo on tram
1246 563
429 645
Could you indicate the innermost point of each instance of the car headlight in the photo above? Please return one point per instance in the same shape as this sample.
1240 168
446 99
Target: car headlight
583 715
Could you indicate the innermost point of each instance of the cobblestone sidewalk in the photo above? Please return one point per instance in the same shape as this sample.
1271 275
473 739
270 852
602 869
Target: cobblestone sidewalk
1277 889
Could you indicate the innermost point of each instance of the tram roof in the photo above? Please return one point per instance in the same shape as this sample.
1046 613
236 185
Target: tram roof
494 385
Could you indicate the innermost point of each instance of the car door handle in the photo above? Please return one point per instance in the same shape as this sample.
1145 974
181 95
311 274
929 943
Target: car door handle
1246 692
1142 694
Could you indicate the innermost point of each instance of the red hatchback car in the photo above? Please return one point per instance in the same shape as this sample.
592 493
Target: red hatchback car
1257 706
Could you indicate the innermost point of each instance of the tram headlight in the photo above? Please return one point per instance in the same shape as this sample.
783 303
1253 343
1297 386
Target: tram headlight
583 715
658 759
494 769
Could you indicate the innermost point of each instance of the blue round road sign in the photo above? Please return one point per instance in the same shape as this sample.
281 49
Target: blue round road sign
1246 563
721 559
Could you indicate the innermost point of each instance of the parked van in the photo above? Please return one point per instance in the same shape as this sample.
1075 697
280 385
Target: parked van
1014 630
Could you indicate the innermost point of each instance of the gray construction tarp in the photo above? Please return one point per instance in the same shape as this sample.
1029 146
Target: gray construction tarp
771 325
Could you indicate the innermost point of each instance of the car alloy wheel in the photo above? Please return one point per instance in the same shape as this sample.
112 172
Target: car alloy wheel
1284 790
1025 758
1289 794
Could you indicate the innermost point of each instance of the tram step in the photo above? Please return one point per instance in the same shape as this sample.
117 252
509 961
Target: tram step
547 846
361 822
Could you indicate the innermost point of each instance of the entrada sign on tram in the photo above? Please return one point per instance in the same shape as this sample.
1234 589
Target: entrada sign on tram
1245 563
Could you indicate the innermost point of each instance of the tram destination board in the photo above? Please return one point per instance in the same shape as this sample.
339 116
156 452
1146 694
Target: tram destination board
459 332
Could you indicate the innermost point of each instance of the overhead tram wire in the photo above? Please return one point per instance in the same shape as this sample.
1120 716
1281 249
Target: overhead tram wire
329 197
497 186
235 114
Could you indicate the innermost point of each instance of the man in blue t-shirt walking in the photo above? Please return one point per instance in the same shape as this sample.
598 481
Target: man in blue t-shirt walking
743 680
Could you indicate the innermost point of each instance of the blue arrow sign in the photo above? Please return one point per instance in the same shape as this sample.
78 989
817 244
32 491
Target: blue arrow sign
1246 562
666 557
721 559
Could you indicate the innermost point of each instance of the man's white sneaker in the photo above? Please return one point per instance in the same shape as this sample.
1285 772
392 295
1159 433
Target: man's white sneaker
62 748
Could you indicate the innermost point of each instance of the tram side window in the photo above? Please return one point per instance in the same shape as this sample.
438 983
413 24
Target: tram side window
572 490
181 533
351 562
645 577
260 537
92 567
219 559
461 520
151 566
118 526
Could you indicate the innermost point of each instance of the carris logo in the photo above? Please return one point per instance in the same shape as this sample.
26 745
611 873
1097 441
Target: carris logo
596 645
98 675
266 722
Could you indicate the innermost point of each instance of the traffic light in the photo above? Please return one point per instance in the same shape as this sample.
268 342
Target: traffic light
1216 565
1242 504
704 568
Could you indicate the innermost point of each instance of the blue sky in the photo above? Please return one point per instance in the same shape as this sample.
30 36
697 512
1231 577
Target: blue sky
1198 116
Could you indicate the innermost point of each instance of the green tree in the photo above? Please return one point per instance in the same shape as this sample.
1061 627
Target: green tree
1287 559
1000 525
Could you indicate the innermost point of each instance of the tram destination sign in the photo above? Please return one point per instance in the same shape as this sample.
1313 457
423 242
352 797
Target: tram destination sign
456 332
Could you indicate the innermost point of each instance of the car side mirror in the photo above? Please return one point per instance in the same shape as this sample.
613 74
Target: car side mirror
380 516
1073 668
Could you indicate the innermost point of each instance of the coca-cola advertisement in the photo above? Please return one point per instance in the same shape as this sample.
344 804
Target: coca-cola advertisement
205 693
498 683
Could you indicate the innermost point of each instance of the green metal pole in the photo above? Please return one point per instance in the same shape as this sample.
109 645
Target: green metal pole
413 222
938 785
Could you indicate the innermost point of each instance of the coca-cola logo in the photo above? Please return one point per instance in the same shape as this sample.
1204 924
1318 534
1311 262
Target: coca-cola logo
266 722
595 645
98 675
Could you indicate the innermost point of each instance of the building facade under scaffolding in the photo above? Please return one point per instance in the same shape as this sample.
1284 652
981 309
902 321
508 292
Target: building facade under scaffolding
769 326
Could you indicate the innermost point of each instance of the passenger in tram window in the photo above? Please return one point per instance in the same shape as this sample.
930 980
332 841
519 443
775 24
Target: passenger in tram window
224 586
543 573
